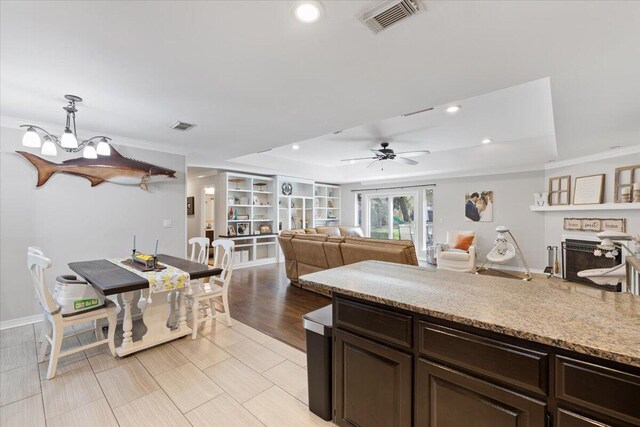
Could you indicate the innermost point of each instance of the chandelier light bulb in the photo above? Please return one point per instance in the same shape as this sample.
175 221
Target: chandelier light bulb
68 139
49 148
89 151
103 148
31 138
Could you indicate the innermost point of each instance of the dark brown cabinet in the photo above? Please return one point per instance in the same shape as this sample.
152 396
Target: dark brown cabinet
448 398
397 368
373 383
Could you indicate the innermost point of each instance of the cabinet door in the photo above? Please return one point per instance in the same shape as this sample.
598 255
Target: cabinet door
372 383
448 398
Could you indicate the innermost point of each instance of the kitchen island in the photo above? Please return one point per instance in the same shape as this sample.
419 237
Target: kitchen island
414 346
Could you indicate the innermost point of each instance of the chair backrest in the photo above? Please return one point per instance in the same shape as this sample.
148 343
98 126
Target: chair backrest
199 249
405 232
223 250
452 236
37 264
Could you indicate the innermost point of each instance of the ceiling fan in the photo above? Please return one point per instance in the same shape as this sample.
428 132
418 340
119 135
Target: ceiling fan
386 153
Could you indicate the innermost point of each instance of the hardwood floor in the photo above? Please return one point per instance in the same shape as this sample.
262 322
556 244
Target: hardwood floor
262 298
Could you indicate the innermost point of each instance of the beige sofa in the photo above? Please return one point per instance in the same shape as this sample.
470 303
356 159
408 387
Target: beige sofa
310 250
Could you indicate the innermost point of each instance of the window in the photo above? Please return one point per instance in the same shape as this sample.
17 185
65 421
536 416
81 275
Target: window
358 219
428 218
391 216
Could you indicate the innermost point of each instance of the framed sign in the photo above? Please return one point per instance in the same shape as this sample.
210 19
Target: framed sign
588 190
595 224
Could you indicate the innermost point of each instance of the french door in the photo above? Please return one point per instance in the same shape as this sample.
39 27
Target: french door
391 216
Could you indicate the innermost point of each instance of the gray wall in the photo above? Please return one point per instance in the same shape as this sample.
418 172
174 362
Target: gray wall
71 221
512 197
554 221
513 194
194 188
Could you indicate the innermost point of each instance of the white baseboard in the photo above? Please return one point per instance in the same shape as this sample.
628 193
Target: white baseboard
21 321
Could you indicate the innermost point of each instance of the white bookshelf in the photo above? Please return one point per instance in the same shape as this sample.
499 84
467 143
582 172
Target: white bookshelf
245 203
326 205
598 207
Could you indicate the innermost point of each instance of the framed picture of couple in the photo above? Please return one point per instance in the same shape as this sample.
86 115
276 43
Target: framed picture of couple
478 206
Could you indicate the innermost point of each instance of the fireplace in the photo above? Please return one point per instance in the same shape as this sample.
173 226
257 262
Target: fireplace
577 255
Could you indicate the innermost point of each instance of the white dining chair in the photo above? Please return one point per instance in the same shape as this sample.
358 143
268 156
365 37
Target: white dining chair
207 295
54 322
200 249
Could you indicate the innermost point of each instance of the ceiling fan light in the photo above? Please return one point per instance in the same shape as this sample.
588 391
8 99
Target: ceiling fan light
68 139
31 138
103 148
89 151
48 147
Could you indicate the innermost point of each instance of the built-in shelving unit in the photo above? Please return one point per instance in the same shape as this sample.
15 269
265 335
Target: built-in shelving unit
600 207
246 203
326 205
295 210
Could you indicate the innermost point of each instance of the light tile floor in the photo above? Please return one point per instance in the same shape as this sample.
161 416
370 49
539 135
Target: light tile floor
234 376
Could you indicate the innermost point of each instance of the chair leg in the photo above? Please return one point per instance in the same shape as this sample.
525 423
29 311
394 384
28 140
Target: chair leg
58 335
46 328
98 329
225 303
111 333
195 313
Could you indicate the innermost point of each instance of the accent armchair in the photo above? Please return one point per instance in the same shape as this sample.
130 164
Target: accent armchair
453 259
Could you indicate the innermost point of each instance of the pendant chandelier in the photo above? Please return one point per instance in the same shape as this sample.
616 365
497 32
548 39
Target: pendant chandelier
68 141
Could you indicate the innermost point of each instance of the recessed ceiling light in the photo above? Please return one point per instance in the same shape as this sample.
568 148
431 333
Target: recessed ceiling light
487 141
307 11
352 162
295 146
201 176
453 108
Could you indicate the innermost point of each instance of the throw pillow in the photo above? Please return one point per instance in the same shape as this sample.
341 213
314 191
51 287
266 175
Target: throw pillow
464 241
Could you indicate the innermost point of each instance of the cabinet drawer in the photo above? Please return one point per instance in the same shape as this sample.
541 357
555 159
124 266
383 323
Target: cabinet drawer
376 322
569 419
600 389
504 362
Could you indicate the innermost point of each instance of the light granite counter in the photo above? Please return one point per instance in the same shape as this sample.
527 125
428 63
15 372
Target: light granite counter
572 317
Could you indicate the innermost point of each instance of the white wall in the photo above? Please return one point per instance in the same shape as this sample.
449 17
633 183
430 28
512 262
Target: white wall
512 195
71 221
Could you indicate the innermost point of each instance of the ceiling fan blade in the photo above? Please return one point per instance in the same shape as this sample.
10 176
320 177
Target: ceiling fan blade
406 161
358 158
373 163
413 153
376 151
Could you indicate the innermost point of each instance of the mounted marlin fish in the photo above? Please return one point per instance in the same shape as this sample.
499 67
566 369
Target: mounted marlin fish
114 168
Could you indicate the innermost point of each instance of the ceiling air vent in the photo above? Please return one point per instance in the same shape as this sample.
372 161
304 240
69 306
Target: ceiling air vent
183 126
388 13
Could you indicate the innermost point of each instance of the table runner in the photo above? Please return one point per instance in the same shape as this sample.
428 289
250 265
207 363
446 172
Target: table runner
159 281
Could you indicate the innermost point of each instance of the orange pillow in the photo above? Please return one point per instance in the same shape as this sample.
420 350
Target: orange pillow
464 241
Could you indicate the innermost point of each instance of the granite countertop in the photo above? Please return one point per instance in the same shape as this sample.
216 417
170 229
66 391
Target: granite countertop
573 317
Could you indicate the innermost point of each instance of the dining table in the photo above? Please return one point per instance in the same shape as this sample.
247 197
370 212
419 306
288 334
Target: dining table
111 278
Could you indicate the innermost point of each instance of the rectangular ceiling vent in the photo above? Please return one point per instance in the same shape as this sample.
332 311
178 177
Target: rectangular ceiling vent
183 126
388 13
